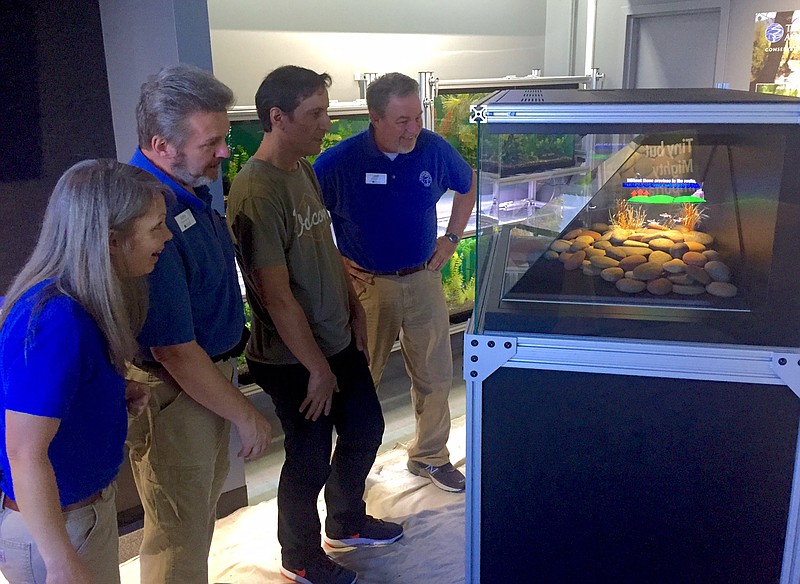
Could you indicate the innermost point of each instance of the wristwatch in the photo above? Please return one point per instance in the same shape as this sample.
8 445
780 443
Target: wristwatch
452 237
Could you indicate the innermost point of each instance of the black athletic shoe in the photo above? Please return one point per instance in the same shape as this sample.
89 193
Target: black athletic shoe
319 570
446 477
373 532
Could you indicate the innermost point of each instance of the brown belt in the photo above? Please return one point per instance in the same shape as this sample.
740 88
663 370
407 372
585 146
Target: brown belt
403 271
11 504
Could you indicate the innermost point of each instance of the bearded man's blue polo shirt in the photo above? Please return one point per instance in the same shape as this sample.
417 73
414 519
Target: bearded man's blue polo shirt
384 211
194 289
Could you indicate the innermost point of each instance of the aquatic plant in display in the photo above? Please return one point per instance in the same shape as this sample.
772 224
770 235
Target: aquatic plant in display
458 276
626 216
691 215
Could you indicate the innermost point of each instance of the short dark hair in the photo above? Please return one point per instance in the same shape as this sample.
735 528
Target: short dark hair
285 88
168 98
381 91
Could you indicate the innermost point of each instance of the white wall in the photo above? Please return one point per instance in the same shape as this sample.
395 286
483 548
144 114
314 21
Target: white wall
456 40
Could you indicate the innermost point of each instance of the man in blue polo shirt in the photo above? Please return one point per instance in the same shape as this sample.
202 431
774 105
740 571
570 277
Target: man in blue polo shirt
179 450
381 187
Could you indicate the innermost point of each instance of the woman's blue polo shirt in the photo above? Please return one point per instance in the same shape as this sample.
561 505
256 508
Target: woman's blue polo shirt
54 363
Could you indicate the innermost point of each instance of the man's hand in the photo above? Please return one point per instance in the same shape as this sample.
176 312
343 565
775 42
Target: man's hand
360 277
358 326
255 434
319 397
442 254
136 396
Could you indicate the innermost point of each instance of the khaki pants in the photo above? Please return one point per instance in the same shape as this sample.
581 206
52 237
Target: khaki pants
179 455
91 529
414 307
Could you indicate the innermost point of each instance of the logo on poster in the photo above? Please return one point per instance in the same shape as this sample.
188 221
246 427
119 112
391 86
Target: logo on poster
774 32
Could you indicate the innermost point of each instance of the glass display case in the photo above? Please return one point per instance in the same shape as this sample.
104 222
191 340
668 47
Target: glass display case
633 360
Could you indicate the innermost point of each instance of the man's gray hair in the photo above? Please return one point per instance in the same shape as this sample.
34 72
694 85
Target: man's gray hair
168 98
381 91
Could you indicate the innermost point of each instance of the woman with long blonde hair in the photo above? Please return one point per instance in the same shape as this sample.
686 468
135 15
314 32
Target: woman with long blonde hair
67 327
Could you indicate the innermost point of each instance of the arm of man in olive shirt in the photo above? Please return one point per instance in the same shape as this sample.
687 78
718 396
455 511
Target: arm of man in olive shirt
195 372
459 216
292 325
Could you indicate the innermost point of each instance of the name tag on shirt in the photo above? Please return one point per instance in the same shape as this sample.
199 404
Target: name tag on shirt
185 220
375 178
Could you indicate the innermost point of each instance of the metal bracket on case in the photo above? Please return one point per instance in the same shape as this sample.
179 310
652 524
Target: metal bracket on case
477 114
483 355
787 367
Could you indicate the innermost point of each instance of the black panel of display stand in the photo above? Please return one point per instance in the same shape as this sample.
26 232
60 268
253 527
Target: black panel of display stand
590 478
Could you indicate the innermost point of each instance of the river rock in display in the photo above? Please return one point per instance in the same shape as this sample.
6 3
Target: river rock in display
657 259
612 274
659 286
630 262
718 271
630 286
722 289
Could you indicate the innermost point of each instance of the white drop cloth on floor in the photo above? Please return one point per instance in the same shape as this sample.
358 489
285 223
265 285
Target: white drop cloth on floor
245 547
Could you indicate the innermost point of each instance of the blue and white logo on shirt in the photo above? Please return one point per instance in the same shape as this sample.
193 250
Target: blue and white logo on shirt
425 178
774 32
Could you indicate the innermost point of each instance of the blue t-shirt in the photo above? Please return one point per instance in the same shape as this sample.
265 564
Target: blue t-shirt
54 362
384 211
194 289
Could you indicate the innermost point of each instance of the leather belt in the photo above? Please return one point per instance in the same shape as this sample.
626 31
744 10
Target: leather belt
403 271
11 504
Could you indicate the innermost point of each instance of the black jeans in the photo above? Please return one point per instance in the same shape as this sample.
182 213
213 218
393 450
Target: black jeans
356 415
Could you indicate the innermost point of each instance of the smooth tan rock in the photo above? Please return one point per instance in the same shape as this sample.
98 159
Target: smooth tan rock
695 246
661 243
612 274
564 256
573 233
604 262
550 255
630 286
674 266
656 226
606 236
593 251
691 290
681 279
578 245
635 237
674 235
698 274
574 260
694 258
630 262
591 270
699 237
600 227
647 271
602 244
718 271
590 233
585 263
678 250
634 243
630 250
659 257
619 235
712 255
722 289
588 239
616 252
560 245
659 286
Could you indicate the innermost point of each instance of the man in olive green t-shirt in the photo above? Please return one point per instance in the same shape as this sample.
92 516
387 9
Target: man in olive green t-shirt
308 347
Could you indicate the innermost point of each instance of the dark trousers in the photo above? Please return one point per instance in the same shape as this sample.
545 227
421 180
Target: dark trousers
356 415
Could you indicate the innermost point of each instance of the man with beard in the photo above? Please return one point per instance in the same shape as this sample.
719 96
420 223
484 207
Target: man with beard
381 187
308 349
194 329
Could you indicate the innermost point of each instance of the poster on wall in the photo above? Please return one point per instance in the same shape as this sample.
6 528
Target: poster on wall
776 53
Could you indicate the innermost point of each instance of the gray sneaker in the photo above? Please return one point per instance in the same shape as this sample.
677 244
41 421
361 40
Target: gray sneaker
446 477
